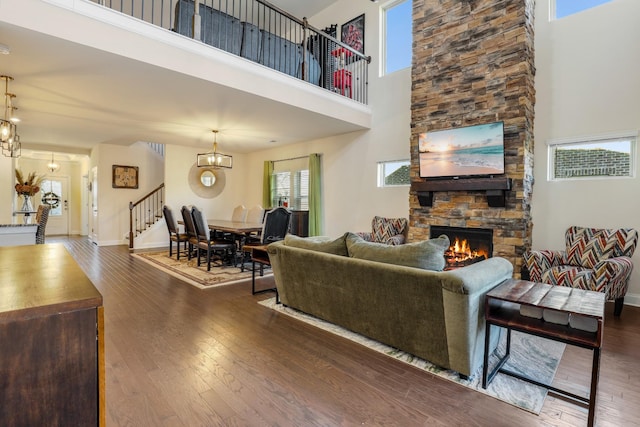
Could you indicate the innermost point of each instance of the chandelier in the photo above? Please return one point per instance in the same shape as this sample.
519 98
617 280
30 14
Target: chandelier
9 137
214 159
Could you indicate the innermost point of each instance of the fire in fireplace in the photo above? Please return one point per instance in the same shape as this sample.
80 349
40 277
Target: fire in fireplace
468 245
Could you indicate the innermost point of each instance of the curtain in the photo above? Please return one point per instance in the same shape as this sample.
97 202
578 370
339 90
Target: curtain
316 219
266 184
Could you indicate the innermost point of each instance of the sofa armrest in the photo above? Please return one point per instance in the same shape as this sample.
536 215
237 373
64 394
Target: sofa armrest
613 273
538 262
463 298
479 277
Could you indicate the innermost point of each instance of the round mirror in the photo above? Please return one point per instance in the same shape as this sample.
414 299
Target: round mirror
207 178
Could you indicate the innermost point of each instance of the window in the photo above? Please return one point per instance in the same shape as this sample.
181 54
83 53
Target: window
290 185
398 37
563 8
394 173
592 158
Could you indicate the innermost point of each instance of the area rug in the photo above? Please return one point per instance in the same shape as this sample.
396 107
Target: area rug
189 272
532 356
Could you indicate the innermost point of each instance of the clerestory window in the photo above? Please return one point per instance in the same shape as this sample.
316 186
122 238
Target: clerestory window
397 28
594 158
563 8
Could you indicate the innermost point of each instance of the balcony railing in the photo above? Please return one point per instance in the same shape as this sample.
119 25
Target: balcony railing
260 32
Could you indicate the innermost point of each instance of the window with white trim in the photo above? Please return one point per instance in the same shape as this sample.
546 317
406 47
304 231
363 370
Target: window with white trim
397 28
290 184
564 8
394 173
611 157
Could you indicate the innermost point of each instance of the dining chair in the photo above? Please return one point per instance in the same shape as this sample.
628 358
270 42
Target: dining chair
226 249
174 233
239 214
42 216
255 214
275 227
189 227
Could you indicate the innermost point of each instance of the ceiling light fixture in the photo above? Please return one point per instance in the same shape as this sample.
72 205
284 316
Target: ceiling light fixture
9 138
53 166
214 159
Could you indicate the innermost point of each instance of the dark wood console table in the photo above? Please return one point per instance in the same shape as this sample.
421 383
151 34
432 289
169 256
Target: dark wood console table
51 340
504 305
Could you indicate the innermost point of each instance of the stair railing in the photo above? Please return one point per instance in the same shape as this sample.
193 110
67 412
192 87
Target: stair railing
145 212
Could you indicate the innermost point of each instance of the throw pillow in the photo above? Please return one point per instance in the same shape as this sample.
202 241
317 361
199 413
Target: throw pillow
427 255
320 244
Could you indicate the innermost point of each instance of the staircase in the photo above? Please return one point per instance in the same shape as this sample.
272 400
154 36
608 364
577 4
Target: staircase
145 212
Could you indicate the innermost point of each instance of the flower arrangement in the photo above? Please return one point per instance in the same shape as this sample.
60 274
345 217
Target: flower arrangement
29 186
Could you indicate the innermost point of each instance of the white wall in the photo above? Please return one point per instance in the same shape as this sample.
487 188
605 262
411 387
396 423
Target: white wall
586 84
179 161
7 190
113 203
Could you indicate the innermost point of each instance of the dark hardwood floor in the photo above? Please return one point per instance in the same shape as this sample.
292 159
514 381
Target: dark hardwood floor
180 356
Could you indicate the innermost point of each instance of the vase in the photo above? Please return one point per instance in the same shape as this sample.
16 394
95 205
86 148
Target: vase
26 203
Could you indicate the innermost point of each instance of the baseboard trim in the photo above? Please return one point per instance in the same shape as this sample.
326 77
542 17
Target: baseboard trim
632 299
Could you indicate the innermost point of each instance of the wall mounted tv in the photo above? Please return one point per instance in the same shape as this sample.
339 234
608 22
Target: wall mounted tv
471 151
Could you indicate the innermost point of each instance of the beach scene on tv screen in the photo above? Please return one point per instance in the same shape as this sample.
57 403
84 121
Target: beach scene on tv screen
466 151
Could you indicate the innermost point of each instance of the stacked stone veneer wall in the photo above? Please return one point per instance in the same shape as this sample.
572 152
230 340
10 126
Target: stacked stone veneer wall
473 63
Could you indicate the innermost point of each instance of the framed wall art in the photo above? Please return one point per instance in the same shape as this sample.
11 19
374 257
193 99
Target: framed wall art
352 33
124 176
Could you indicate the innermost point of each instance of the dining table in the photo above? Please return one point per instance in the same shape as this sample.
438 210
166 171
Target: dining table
233 227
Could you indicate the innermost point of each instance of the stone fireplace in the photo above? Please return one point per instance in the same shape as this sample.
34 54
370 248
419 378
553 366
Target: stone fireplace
473 63
468 245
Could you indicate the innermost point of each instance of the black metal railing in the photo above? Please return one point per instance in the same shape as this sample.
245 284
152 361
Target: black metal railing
145 212
263 33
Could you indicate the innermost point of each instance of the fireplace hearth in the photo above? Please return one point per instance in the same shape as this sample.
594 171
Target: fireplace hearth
468 245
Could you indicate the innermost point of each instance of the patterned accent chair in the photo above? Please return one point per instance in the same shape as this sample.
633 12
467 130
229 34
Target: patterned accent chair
595 259
391 231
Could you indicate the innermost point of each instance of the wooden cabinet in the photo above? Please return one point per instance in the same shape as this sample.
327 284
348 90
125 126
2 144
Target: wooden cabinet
51 340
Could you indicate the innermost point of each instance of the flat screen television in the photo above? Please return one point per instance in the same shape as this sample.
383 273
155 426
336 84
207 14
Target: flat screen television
471 151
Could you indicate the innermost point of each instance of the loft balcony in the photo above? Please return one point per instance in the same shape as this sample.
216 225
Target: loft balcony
252 71
260 32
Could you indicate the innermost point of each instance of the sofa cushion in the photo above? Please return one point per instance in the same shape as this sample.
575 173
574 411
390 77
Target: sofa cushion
427 255
319 244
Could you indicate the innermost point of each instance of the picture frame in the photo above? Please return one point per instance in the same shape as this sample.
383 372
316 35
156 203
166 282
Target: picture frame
352 33
124 176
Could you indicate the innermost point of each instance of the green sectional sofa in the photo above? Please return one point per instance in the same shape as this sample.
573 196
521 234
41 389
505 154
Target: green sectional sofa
435 315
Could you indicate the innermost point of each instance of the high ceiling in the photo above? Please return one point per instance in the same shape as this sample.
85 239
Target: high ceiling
71 97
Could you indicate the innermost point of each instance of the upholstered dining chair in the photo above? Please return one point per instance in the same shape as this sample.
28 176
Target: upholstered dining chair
42 217
190 230
595 259
225 249
239 214
391 231
255 214
174 233
275 227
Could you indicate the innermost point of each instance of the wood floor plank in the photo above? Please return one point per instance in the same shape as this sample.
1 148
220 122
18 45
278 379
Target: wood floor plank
181 356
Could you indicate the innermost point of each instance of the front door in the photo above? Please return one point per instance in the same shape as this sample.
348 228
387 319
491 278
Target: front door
54 192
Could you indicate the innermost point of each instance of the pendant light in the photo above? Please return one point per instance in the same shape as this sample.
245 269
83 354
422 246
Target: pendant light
53 166
214 159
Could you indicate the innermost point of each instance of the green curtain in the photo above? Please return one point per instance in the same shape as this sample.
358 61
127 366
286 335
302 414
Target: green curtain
266 184
316 219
